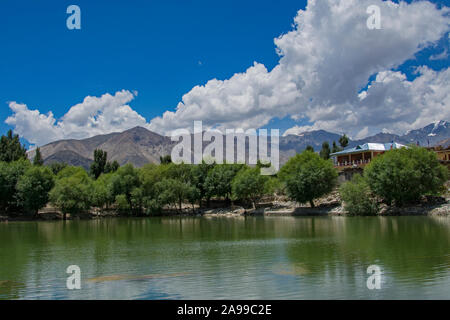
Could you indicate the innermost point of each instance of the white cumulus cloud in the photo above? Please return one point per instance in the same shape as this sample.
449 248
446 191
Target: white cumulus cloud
325 64
93 116
325 61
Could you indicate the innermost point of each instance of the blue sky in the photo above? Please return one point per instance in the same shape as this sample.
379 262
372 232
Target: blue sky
161 49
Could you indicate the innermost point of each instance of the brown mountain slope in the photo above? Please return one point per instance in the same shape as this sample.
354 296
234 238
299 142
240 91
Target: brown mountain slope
137 146
140 146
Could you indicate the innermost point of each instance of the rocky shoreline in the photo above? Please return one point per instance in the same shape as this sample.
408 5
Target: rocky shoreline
327 206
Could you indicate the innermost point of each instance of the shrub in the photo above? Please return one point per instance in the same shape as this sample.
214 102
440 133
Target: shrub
249 184
33 188
123 182
72 191
10 173
218 181
404 175
307 177
357 197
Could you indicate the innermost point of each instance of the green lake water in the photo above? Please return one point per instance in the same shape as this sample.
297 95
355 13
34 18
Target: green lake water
227 258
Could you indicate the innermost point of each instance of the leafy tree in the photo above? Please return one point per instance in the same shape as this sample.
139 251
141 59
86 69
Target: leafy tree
199 173
10 173
172 192
307 176
192 195
343 141
358 198
249 184
70 171
165 159
98 166
101 195
309 148
404 175
122 203
11 149
325 152
273 186
111 167
37 160
72 191
180 172
335 148
56 167
33 188
137 200
124 181
149 176
218 181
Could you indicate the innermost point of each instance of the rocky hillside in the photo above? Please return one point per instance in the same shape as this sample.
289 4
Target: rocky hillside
140 146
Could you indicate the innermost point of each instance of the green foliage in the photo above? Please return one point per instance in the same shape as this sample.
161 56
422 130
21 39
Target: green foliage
56 167
343 141
101 195
249 184
124 181
335 148
37 160
33 188
70 171
111 167
122 203
180 172
10 174
11 149
357 197
404 175
307 176
199 173
273 186
218 181
165 159
171 192
325 152
98 166
309 148
72 191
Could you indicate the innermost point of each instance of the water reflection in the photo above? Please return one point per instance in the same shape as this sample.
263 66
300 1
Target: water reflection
234 258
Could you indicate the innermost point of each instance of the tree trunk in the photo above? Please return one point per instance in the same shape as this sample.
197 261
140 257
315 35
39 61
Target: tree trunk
311 202
64 216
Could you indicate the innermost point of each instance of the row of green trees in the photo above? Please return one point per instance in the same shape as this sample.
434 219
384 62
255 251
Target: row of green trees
397 177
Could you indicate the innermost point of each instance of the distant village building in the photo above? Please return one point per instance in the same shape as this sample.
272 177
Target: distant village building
352 160
362 154
443 154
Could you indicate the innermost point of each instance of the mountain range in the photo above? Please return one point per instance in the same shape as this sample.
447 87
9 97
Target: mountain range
140 146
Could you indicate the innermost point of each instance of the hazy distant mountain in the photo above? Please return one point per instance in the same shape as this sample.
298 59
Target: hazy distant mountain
444 143
300 141
430 135
140 146
137 146
434 133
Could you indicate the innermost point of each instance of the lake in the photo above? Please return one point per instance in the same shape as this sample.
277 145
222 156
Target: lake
227 258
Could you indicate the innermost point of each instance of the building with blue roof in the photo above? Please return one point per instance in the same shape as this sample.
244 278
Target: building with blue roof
362 154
